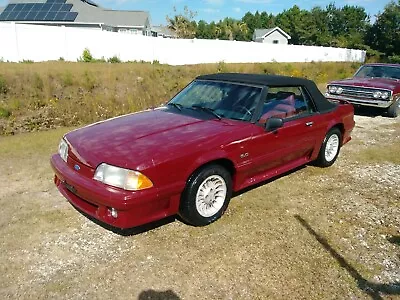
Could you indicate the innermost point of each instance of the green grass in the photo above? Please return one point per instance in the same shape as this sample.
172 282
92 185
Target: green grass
41 96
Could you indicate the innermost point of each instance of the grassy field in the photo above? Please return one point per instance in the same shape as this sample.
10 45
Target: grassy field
39 96
312 234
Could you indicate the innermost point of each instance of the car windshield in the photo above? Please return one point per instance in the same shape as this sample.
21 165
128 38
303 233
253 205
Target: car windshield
378 72
218 99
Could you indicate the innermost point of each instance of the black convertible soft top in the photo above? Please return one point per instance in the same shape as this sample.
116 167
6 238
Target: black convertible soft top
322 104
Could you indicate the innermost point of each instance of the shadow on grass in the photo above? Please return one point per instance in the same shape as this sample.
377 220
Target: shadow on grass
394 240
130 231
372 289
154 295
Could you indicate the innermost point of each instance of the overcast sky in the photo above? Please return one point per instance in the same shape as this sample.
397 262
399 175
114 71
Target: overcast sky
214 10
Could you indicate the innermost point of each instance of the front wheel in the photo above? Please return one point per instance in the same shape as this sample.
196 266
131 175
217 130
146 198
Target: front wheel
206 195
394 109
330 148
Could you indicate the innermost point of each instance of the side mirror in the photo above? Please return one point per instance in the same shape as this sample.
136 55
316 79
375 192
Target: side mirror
273 124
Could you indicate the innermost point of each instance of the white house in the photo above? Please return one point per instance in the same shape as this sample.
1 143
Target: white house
271 36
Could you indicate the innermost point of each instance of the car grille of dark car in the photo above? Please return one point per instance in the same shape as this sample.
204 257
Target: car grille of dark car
359 92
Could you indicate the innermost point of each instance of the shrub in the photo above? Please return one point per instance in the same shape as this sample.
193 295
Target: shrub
114 60
86 56
4 113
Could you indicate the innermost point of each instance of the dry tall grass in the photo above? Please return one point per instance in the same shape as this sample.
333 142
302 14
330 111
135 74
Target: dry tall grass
37 96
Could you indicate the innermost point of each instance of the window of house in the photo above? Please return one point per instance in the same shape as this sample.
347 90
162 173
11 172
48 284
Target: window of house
275 42
286 102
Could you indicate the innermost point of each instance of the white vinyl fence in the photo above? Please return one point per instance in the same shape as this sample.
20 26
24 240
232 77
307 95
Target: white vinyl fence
42 43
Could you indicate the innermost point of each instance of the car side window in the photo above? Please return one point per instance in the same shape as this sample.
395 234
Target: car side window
286 102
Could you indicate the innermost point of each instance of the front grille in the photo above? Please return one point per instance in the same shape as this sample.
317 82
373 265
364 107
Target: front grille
359 92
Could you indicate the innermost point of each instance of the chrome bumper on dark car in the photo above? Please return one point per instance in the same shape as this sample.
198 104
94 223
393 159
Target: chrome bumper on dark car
363 102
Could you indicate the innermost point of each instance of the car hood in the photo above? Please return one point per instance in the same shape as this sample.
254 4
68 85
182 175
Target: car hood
138 140
380 83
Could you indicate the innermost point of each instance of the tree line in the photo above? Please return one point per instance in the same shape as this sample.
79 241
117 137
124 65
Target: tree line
347 27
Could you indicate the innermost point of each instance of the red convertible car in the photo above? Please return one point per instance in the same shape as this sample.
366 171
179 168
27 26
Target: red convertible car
221 133
373 85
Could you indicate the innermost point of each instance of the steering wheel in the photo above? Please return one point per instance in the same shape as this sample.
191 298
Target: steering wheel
242 108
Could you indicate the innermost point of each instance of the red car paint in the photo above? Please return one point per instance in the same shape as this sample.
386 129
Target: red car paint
168 147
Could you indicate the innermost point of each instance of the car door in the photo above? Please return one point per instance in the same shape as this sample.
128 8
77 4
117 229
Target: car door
294 142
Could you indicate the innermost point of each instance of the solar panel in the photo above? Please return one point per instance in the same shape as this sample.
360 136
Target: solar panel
28 6
47 6
66 7
40 16
50 16
12 16
31 16
60 16
4 15
9 7
56 7
71 16
21 15
52 10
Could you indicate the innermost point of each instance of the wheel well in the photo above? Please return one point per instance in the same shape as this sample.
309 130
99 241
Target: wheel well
224 162
339 126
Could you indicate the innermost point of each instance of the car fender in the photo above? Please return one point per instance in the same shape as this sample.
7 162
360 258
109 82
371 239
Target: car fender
206 158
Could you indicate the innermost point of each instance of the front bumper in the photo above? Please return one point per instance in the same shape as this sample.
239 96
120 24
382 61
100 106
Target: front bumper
358 101
96 199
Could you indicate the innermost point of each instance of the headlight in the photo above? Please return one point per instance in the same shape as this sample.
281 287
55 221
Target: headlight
385 95
339 90
63 150
122 178
332 89
377 94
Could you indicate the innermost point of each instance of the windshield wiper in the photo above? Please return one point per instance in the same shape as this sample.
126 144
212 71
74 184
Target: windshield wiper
207 109
176 105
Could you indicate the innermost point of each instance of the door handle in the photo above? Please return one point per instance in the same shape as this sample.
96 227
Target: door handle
309 124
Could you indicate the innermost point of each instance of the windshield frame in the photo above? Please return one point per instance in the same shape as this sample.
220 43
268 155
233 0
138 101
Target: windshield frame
257 102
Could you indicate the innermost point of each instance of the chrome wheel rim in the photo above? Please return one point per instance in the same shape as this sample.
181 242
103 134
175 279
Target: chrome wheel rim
332 147
211 196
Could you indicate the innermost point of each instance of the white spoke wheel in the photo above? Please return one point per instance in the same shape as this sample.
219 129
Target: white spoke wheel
206 195
211 196
330 148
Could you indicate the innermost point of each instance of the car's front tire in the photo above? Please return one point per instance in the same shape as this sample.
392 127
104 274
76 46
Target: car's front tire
330 148
206 195
394 109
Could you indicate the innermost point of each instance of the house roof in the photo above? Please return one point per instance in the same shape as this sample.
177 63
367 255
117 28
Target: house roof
163 30
263 33
90 12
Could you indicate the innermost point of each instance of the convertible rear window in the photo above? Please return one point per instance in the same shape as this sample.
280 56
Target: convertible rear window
227 100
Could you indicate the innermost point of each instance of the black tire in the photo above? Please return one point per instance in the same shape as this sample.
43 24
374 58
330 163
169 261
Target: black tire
188 209
323 159
394 109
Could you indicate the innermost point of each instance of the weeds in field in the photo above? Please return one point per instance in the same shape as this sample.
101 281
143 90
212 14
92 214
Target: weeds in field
46 95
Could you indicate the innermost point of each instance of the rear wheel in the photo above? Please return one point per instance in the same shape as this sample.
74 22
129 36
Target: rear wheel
206 195
330 148
394 109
